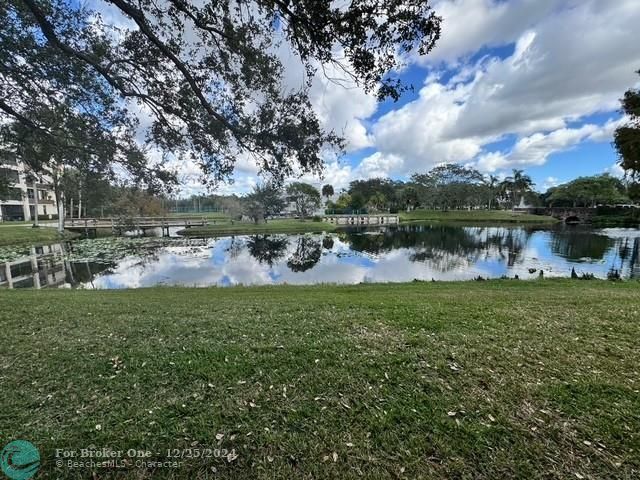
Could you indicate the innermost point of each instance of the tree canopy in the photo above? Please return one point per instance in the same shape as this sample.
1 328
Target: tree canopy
588 192
305 197
327 190
627 137
450 186
206 77
264 201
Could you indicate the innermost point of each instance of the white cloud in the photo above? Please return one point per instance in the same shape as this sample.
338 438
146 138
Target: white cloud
378 165
615 170
536 148
564 68
414 132
550 182
342 106
471 24
573 64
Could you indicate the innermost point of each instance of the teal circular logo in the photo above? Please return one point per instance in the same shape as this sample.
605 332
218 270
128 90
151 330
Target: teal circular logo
20 460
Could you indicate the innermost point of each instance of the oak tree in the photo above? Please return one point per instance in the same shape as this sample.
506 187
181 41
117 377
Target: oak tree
201 80
627 136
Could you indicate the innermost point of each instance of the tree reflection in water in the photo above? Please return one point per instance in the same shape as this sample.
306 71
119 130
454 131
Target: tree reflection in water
327 242
236 245
307 254
628 253
267 248
576 243
446 247
634 260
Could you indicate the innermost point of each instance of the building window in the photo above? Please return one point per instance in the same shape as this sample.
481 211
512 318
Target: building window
10 175
15 194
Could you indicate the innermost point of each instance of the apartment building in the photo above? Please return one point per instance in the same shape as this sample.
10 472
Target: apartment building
21 202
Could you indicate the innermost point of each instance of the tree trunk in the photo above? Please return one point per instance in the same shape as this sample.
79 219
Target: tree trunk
80 200
35 200
57 189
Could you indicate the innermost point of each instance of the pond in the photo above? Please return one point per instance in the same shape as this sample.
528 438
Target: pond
427 252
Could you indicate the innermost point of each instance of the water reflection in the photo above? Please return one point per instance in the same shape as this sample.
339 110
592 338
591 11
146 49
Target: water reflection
445 248
266 248
402 254
48 266
306 255
581 245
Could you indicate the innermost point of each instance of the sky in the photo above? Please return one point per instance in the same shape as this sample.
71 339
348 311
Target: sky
526 84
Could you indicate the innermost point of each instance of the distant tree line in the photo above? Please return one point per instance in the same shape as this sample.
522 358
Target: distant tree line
444 187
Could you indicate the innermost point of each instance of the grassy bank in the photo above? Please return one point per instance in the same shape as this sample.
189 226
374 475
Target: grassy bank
417 216
272 226
217 216
487 380
472 216
26 235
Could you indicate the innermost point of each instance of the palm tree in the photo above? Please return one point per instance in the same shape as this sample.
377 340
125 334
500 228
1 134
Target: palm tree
327 191
516 185
492 184
522 183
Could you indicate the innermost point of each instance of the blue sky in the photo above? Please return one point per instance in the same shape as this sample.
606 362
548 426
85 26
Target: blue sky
527 84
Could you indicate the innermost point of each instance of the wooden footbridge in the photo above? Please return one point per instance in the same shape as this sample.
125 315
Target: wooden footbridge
130 224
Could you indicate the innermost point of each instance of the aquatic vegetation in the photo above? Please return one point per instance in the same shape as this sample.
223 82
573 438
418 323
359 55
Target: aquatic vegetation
13 252
102 250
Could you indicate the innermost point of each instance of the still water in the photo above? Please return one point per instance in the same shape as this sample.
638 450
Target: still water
394 255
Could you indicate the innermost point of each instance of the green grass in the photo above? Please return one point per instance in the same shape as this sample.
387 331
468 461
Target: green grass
208 215
272 226
26 235
417 216
495 216
483 380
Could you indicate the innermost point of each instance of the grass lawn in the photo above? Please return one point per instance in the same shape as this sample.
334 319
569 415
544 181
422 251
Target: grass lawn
496 216
208 215
272 226
483 380
26 235
417 216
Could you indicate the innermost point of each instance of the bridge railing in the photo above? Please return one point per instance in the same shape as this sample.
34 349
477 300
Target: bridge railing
148 222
